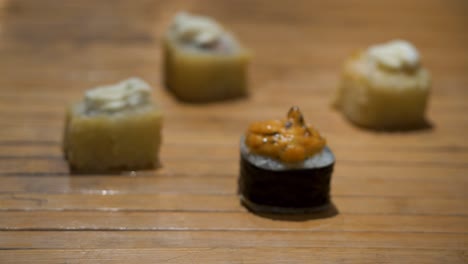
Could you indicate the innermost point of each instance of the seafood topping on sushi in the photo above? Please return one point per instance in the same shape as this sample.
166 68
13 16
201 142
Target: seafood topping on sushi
289 140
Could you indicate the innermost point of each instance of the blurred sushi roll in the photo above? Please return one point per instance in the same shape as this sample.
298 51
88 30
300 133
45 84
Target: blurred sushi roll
113 128
385 87
203 62
285 167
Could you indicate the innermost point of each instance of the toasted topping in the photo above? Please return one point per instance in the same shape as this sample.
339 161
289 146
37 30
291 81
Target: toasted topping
395 55
289 140
127 94
199 30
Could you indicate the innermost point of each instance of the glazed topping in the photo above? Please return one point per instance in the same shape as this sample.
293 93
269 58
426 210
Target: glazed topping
198 30
289 140
125 95
395 55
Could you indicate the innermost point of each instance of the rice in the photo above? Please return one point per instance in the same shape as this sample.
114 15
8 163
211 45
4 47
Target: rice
319 160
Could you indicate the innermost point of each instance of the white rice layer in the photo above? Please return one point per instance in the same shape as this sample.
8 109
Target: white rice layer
319 160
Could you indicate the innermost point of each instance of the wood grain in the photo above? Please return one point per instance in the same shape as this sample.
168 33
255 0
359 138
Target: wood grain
401 197
235 255
348 204
230 239
235 221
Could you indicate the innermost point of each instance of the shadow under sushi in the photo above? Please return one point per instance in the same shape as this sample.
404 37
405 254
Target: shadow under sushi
329 211
426 125
115 171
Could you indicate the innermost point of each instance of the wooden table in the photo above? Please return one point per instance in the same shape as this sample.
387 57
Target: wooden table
401 197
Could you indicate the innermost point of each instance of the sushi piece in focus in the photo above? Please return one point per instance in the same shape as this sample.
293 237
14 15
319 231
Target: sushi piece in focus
115 127
202 61
385 87
285 167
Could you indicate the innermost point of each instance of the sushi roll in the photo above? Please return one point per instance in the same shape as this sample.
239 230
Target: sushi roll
202 61
115 127
385 87
285 167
